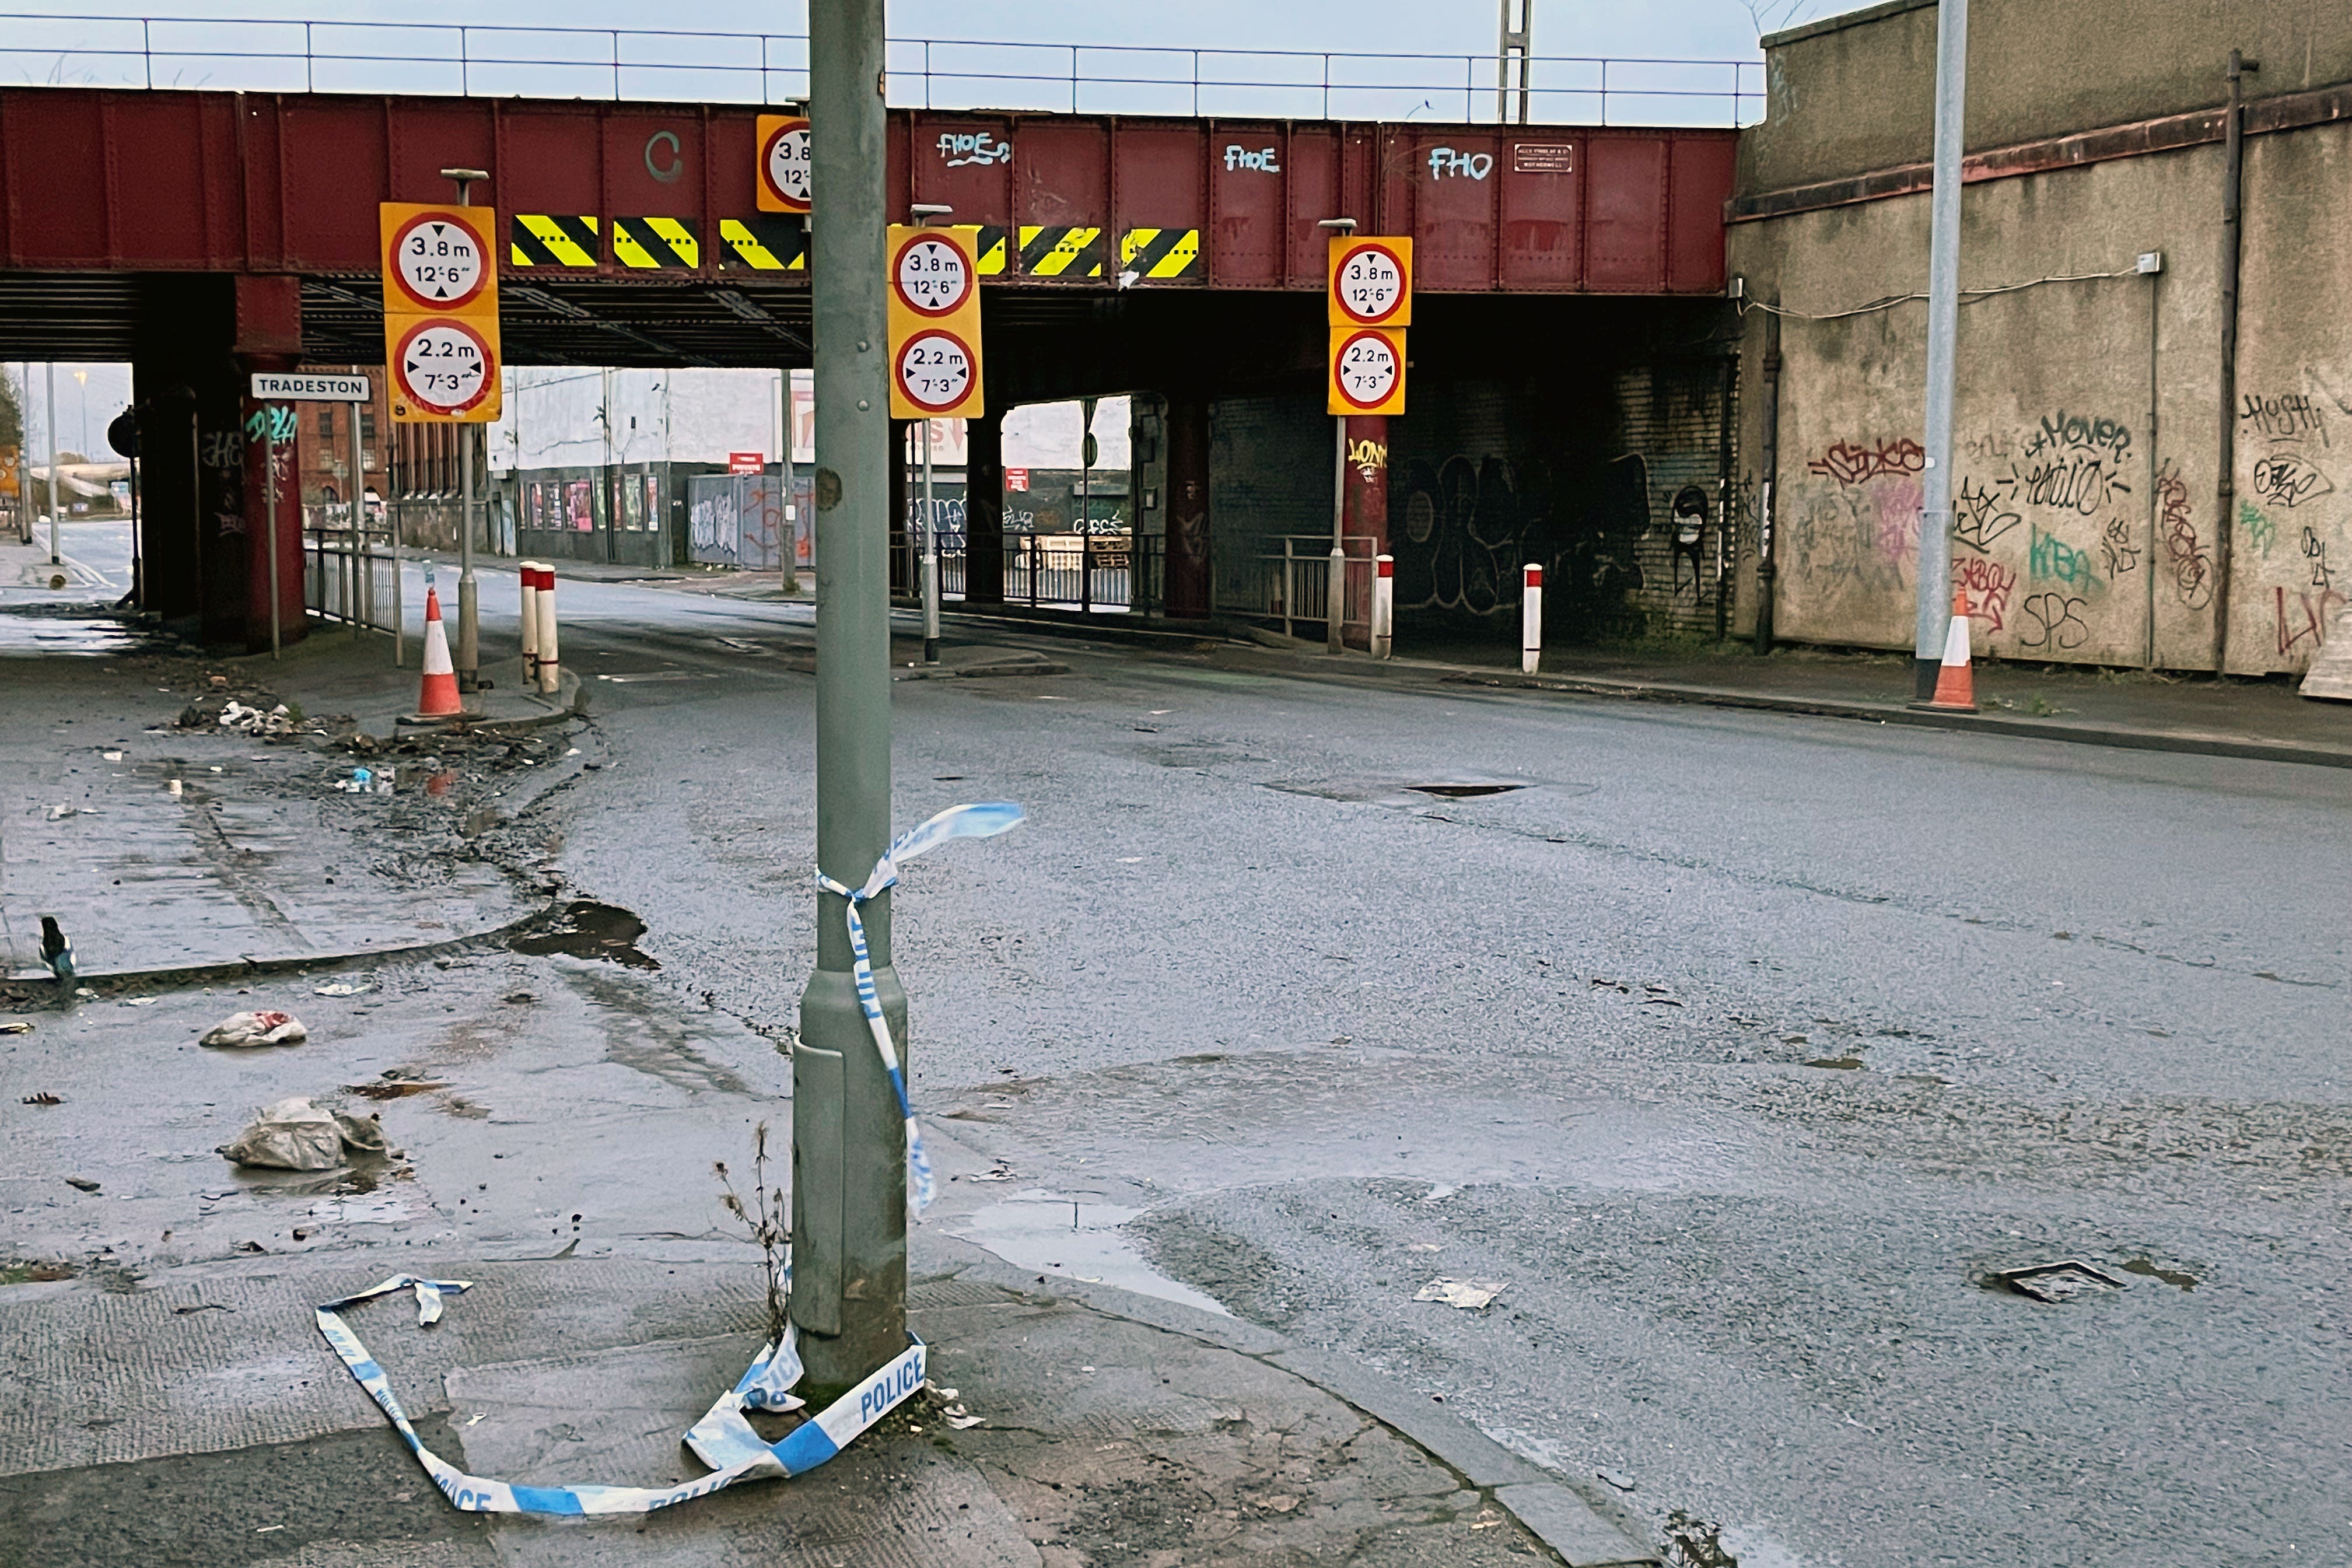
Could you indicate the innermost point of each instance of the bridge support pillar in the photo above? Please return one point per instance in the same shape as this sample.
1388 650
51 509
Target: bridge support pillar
269 338
1191 594
984 510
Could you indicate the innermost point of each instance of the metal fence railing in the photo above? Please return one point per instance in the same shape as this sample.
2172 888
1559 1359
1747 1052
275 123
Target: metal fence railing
252 54
352 578
1117 572
1293 585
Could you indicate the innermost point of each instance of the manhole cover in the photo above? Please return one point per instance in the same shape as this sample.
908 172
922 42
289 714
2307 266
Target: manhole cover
1464 791
2060 1281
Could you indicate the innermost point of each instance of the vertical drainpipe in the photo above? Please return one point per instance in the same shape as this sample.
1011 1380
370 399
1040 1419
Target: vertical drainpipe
2234 164
1769 462
1723 508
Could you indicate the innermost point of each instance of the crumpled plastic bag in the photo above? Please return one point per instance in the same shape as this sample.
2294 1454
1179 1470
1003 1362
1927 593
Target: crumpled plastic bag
296 1135
257 1029
235 715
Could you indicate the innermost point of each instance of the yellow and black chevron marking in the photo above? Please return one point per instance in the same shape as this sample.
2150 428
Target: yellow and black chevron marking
771 242
991 250
1160 253
1061 251
650 243
550 239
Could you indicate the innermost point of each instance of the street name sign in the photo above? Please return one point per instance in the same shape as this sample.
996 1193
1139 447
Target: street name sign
275 386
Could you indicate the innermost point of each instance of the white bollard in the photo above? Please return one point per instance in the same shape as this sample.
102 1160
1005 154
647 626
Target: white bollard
1531 619
1383 606
551 668
529 617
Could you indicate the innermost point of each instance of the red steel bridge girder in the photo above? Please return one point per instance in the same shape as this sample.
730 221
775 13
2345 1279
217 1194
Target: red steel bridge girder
105 180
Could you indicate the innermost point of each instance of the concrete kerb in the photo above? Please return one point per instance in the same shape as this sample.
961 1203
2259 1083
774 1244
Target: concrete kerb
1572 1525
2241 747
247 966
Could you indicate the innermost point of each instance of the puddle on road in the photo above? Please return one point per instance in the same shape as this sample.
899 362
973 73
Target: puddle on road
1035 1230
585 929
63 629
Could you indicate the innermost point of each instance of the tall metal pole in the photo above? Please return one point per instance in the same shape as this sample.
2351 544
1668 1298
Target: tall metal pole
468 659
930 559
52 434
269 480
1335 584
363 557
1935 600
849 1149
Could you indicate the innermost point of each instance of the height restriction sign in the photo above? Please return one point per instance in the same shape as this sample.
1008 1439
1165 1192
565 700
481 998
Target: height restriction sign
1367 371
782 177
1371 282
440 312
934 312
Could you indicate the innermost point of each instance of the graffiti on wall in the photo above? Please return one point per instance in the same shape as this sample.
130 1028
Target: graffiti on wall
1468 526
2053 621
2290 431
1989 584
2192 567
1859 462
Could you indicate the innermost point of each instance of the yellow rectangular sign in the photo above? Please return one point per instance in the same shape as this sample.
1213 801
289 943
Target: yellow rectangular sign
781 183
439 259
1366 372
933 293
1371 281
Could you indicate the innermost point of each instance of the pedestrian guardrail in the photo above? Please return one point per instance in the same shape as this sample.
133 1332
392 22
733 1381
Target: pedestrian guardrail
1293 585
350 576
251 54
1116 572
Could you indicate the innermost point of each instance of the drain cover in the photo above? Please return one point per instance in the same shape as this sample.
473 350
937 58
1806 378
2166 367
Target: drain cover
2060 1281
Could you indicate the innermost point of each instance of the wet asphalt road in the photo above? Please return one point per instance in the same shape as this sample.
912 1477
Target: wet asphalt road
1738 1051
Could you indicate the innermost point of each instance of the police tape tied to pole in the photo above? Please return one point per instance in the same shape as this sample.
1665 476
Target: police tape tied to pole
722 1439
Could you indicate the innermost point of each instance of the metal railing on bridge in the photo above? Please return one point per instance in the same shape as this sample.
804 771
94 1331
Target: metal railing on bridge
249 53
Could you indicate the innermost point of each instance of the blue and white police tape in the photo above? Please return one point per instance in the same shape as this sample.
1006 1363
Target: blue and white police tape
982 821
722 1439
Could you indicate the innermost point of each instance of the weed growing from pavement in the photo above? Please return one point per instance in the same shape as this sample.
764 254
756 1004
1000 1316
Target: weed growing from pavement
764 1219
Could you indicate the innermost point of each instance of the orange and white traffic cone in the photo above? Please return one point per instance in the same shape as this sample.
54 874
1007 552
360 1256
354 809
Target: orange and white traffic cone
438 697
1956 685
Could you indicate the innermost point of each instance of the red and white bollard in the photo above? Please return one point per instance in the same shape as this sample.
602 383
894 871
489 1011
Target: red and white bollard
1384 605
530 572
550 667
1531 619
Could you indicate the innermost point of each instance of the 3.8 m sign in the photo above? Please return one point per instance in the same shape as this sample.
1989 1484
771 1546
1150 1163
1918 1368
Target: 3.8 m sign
440 312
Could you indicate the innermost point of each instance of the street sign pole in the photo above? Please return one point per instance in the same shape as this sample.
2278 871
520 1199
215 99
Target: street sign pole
52 434
468 659
930 558
849 1147
1335 587
269 478
1370 304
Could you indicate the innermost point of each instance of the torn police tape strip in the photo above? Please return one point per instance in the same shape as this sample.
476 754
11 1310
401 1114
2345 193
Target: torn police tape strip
722 1439
982 821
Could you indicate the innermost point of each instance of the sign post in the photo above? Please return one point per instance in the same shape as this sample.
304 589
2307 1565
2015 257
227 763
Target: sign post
441 348
1371 304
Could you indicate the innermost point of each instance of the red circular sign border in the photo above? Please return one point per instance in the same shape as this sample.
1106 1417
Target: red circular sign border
1338 383
970 272
792 204
442 307
1404 295
899 361
400 352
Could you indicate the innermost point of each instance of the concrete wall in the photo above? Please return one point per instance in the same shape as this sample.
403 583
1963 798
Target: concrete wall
2087 412
1858 93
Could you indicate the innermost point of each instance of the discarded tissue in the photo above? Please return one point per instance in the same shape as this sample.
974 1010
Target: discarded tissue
296 1135
257 1029
1468 1294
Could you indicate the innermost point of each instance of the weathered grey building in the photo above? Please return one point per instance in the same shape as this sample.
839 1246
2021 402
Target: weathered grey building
2094 522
